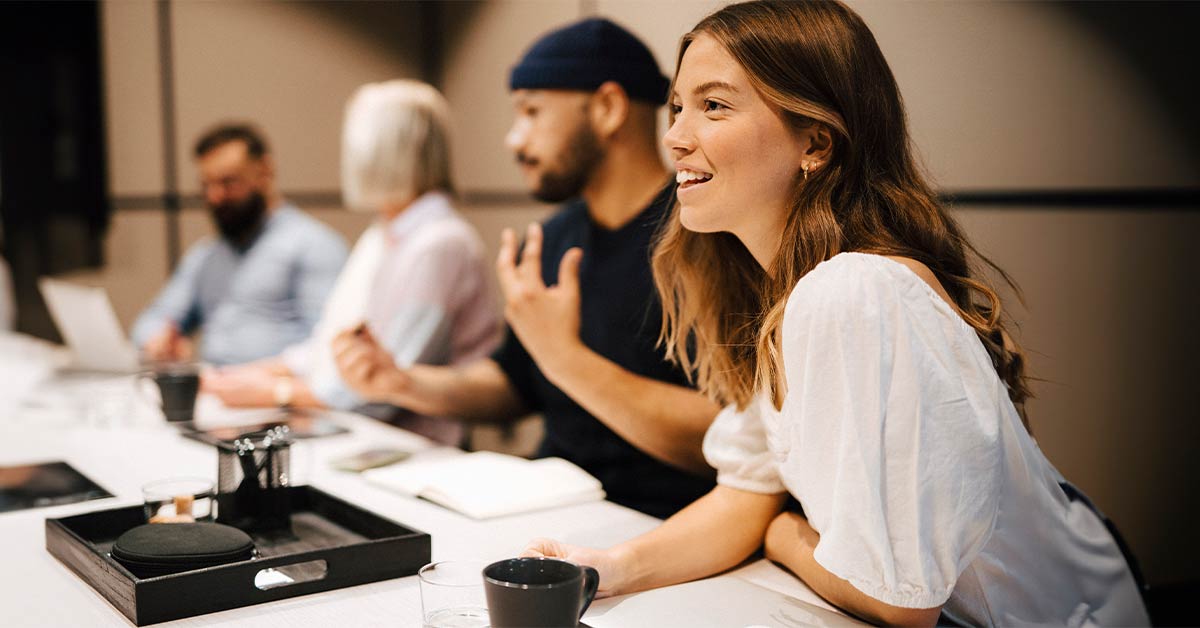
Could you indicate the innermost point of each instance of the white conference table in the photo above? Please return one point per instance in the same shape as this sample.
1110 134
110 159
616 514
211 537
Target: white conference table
102 427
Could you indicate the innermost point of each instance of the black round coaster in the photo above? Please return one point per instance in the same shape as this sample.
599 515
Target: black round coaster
157 549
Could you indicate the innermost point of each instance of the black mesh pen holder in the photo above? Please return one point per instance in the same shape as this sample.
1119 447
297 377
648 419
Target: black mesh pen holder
253 480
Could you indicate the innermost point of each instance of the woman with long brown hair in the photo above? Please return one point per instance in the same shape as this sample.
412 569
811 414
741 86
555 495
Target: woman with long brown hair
811 281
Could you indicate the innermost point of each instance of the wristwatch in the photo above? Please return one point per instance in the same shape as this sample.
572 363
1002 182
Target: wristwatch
285 390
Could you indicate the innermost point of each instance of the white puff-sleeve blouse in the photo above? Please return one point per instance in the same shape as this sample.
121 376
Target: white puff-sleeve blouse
901 444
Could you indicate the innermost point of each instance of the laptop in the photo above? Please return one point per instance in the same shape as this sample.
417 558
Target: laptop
89 326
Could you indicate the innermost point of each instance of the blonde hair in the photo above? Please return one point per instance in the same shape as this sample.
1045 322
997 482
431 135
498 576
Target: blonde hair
819 64
395 144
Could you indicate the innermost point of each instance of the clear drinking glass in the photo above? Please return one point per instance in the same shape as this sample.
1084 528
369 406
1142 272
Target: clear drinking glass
452 595
175 499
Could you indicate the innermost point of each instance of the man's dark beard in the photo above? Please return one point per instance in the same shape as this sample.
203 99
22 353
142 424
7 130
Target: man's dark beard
577 164
239 221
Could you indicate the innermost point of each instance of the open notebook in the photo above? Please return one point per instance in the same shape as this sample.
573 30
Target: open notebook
485 484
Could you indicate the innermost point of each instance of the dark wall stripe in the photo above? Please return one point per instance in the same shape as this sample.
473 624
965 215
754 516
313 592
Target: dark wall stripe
1162 198
330 198
170 197
1165 198
429 14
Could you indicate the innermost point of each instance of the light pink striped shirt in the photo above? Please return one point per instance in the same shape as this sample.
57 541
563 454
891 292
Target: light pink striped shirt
428 300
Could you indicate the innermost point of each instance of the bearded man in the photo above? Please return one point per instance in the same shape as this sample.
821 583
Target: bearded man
583 316
259 285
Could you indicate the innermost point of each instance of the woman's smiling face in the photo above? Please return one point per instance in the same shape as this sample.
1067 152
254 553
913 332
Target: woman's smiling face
736 160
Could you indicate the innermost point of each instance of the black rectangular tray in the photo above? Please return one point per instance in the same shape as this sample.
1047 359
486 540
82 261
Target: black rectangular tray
333 544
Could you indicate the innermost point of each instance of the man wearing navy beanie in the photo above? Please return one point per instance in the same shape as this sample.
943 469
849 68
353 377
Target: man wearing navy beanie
587 67
583 315
585 55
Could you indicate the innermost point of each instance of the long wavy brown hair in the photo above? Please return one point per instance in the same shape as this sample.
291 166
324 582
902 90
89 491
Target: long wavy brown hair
819 64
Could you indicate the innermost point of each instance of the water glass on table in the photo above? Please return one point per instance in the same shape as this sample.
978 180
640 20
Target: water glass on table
177 500
452 595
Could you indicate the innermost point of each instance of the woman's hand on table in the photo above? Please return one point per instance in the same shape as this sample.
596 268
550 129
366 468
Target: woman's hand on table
241 386
612 569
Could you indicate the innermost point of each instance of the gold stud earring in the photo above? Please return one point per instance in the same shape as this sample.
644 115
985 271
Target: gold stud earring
804 168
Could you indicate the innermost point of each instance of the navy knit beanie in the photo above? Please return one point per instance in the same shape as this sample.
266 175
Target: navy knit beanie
586 54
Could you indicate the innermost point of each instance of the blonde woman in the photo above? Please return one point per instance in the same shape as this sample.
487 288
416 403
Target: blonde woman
417 277
811 280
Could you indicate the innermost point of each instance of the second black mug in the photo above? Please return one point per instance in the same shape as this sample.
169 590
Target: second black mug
538 592
178 385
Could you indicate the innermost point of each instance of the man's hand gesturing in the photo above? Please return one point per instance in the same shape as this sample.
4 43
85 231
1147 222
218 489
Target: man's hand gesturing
545 318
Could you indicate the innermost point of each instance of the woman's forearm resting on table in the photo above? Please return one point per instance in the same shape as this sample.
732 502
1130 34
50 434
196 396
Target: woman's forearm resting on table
791 541
715 533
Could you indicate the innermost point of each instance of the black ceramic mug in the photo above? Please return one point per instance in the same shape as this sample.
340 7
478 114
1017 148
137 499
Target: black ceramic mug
178 385
538 592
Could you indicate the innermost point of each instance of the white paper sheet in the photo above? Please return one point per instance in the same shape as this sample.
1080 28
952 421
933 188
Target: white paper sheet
721 602
25 362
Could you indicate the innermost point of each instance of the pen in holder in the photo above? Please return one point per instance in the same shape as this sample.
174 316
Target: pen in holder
253 481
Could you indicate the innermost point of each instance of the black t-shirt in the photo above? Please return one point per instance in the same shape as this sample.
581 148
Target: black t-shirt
620 317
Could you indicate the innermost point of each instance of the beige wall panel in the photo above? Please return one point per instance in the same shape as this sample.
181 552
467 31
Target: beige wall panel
136 251
659 24
1110 328
347 223
290 66
133 110
482 41
999 94
194 225
1021 95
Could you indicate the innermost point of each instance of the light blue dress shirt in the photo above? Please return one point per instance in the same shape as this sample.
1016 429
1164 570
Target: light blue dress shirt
250 304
